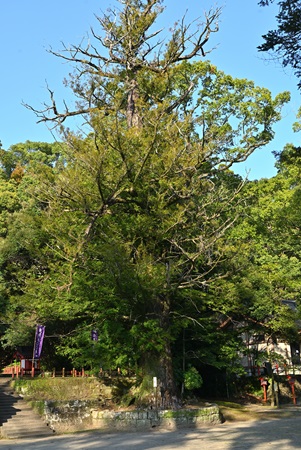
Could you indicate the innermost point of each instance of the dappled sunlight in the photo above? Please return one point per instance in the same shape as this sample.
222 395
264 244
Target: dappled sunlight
281 433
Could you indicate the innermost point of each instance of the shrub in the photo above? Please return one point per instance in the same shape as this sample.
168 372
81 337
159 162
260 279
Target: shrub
192 379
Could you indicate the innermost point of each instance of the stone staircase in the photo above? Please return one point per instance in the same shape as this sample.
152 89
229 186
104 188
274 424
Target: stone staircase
17 418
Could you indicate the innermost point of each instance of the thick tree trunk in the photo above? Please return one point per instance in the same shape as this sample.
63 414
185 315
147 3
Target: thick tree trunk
169 398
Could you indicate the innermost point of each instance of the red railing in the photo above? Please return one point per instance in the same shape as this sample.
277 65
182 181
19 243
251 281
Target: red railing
16 371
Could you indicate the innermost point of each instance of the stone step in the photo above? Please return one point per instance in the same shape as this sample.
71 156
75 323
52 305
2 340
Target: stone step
17 418
21 432
15 425
17 433
20 428
23 416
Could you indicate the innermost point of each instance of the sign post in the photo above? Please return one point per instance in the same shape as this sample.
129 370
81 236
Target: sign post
155 386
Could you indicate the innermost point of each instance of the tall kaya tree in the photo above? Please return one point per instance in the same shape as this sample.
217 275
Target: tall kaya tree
148 177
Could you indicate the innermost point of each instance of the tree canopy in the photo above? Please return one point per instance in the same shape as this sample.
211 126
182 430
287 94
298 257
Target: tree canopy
284 42
135 226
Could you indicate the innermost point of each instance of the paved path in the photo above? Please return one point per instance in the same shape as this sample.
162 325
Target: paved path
283 433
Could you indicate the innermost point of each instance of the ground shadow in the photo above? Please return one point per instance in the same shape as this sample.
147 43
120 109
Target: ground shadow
281 432
8 403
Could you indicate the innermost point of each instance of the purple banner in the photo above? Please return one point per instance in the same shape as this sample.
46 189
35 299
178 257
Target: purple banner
94 335
38 344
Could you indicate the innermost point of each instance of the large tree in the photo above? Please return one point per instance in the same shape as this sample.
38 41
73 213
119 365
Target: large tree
135 214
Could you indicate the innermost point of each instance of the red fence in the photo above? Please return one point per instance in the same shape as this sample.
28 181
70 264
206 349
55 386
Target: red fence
16 371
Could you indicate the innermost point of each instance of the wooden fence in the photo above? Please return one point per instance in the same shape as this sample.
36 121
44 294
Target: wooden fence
15 371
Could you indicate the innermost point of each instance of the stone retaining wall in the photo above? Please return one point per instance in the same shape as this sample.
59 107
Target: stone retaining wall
146 419
73 416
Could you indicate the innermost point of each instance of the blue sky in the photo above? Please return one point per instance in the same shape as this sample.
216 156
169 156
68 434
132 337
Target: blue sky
28 29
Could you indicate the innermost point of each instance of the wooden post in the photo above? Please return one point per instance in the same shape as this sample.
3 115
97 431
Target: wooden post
63 372
53 373
292 384
264 384
293 392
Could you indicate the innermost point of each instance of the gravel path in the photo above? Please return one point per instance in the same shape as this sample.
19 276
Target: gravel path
281 433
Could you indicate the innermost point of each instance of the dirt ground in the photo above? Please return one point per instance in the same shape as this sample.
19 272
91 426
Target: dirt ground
264 428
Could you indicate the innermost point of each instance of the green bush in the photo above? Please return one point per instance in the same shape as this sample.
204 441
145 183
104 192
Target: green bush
192 379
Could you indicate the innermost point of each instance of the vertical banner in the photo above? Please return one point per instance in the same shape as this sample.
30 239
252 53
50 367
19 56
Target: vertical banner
94 335
38 344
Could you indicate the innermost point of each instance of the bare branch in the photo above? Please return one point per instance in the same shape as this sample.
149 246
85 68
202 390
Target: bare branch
181 99
180 39
130 52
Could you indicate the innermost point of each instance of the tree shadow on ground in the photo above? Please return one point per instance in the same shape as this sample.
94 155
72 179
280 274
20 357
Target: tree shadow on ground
270 433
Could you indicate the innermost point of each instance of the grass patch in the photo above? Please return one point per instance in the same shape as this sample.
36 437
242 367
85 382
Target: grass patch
61 388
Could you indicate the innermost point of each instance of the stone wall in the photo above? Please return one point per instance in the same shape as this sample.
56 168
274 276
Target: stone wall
68 415
73 416
146 419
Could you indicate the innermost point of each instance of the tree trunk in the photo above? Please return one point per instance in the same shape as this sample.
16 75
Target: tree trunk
169 398
133 119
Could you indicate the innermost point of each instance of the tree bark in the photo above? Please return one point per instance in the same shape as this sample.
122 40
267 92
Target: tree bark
169 395
133 119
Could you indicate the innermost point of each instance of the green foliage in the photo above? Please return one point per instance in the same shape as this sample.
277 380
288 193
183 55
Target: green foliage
28 155
192 379
136 227
284 40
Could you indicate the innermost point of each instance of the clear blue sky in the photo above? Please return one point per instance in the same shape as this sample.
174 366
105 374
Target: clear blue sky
29 28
